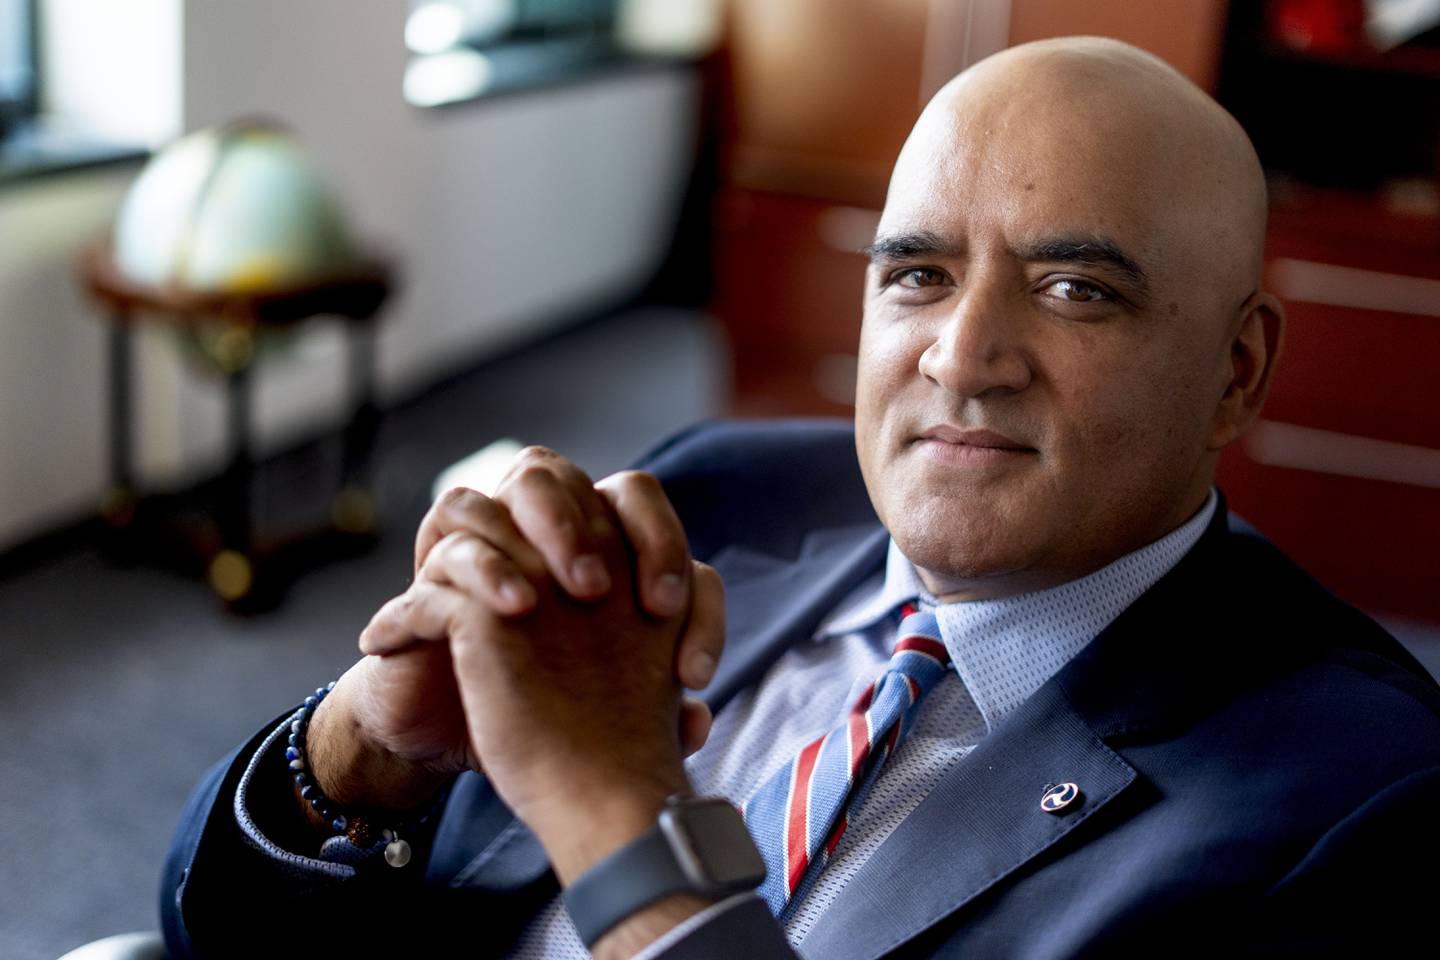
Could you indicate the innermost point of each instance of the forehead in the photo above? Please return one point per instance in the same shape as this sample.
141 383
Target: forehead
1017 169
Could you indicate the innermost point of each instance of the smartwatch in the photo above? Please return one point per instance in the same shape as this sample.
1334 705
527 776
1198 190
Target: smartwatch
699 846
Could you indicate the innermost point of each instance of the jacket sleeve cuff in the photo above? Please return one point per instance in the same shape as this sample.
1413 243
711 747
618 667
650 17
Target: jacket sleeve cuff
269 822
736 926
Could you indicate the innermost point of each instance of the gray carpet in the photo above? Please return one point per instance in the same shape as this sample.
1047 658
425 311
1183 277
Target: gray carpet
121 685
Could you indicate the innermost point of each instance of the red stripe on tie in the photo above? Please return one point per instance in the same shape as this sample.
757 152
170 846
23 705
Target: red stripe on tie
860 732
926 645
797 860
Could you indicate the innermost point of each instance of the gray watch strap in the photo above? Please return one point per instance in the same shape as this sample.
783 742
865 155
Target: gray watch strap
628 880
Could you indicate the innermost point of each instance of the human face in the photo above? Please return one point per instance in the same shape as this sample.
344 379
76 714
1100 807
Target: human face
1045 343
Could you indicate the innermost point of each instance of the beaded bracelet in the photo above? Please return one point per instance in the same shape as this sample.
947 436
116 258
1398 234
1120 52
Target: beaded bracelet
357 828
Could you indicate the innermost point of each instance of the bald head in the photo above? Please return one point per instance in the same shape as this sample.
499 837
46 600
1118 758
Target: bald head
1063 317
1106 115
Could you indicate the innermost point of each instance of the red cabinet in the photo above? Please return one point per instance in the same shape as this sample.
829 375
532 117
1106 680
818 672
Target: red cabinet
1343 472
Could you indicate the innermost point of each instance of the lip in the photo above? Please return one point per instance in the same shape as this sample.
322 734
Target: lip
982 439
975 449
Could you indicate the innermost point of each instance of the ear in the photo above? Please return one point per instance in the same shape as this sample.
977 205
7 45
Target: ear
1253 351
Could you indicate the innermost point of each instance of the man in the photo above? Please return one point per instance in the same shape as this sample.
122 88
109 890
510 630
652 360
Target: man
1147 731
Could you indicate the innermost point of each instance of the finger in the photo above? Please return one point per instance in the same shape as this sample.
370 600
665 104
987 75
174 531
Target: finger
695 723
476 567
702 642
662 554
417 615
555 507
461 509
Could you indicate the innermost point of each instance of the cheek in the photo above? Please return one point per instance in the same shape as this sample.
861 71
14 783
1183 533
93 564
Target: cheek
1135 407
888 361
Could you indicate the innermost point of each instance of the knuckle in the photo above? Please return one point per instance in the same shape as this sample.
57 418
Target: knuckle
646 480
534 477
485 513
638 481
456 499
707 577
545 518
476 508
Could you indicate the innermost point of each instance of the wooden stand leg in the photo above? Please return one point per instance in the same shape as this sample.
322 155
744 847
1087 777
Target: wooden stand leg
232 571
353 510
118 507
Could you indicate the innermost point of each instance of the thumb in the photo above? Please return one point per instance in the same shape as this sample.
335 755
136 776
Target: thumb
700 646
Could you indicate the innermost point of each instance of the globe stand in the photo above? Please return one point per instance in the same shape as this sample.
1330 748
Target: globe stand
248 569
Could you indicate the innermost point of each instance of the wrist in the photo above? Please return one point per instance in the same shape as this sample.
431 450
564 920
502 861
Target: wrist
355 771
586 823
699 851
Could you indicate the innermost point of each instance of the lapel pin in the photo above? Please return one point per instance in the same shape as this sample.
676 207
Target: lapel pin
1058 796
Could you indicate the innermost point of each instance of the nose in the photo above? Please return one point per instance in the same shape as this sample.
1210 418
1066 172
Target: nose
978 349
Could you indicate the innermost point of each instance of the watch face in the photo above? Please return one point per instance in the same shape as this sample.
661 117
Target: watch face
712 845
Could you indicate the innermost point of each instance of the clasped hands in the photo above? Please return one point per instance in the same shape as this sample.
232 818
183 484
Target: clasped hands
544 641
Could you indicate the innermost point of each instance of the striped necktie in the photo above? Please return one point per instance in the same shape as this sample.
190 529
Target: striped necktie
798 815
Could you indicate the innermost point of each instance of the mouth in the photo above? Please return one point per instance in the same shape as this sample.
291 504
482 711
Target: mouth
976 447
984 439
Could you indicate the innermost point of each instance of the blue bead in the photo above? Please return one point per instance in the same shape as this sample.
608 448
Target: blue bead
301 780
310 702
339 823
316 801
310 791
320 693
292 754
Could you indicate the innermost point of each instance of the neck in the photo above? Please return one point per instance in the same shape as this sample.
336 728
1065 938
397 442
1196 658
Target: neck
1011 583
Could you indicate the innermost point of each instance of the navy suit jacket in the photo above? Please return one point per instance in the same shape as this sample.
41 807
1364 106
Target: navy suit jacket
1256 761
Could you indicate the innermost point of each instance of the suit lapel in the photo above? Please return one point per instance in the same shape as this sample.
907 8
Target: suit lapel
981 823
771 601
984 821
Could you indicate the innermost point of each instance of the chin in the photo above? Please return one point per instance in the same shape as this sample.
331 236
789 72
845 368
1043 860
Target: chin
962 545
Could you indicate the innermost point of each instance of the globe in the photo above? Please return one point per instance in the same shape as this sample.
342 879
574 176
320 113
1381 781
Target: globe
234 209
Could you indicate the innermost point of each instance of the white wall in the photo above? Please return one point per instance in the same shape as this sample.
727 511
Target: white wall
510 216
52 457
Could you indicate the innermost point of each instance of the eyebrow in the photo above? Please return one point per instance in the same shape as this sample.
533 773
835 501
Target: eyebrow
905 246
1089 250
1075 248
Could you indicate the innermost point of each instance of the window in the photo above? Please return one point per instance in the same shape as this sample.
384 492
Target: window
17 62
463 49
85 83
435 26
468 48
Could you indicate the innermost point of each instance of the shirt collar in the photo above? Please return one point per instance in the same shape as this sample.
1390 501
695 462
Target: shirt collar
902 585
1004 650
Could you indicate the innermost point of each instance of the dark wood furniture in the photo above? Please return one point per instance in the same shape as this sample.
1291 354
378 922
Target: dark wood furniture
248 568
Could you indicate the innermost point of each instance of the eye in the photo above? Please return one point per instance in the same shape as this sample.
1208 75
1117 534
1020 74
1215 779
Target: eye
917 277
1078 291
